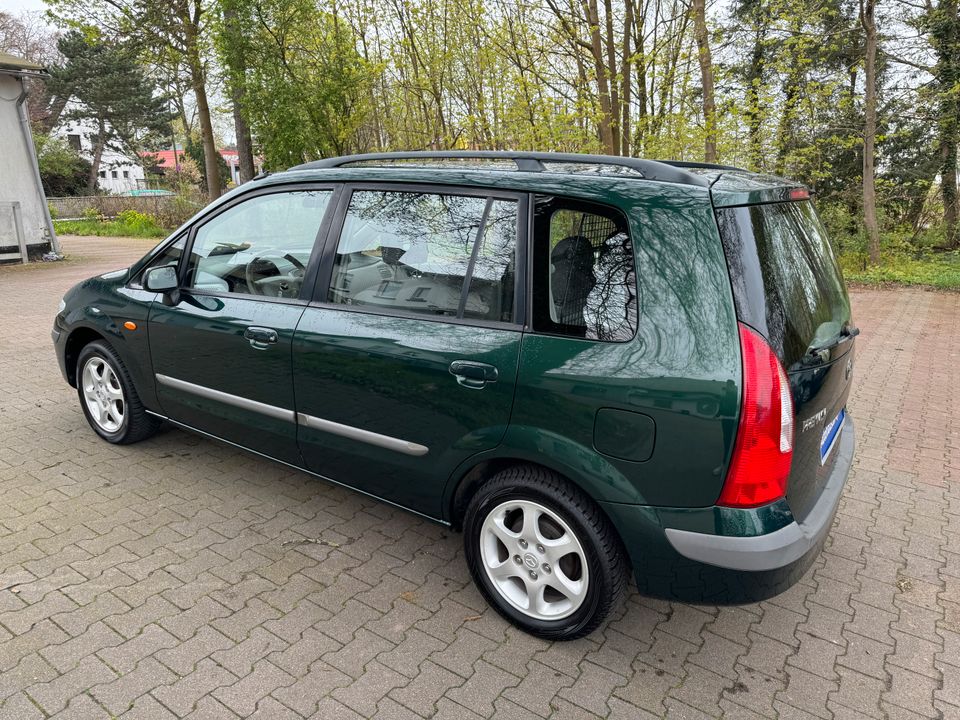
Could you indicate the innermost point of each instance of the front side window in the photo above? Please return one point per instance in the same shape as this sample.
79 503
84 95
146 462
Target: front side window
584 274
259 247
170 255
427 253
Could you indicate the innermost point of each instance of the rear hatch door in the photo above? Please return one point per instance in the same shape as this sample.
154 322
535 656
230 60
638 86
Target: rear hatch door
787 285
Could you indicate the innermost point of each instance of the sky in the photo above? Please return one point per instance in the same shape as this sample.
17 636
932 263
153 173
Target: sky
16 6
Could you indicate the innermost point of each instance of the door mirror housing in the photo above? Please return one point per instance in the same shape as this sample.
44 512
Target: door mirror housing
161 279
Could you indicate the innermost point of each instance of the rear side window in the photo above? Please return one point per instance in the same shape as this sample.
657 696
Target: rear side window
786 281
584 274
428 253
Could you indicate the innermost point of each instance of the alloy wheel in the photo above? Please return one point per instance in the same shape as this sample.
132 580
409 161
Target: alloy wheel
534 560
103 394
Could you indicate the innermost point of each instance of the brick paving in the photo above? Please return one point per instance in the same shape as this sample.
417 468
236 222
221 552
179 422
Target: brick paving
179 577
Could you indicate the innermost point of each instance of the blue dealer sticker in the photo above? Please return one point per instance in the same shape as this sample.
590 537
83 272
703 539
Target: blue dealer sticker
830 434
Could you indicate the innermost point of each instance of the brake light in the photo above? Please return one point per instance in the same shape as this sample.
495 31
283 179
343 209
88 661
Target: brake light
763 449
799 194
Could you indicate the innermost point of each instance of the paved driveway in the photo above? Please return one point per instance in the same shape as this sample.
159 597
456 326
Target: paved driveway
180 577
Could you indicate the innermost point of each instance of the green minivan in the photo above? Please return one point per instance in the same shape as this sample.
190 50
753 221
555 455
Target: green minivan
585 363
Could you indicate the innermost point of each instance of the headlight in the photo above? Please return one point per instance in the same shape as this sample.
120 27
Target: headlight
62 306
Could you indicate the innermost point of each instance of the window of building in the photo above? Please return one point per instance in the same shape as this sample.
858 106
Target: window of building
584 274
102 173
126 173
74 141
113 173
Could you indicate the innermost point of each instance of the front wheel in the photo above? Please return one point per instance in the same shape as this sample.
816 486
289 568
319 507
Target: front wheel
108 398
542 553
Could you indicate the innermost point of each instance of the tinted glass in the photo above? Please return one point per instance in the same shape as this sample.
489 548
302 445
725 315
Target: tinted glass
169 256
259 247
446 255
785 277
585 278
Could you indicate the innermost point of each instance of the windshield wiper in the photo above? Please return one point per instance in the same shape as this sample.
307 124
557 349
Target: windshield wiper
819 353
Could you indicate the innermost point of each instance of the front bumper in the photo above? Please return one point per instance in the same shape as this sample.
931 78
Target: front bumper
59 337
779 548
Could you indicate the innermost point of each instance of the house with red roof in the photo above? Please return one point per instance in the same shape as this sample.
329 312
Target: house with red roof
170 160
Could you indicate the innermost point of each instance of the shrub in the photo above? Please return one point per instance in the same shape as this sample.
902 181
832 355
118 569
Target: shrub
138 222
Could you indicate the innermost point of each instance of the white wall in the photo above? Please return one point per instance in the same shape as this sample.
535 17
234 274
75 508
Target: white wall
129 172
17 180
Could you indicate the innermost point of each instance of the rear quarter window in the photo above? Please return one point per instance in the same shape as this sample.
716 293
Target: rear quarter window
585 281
785 277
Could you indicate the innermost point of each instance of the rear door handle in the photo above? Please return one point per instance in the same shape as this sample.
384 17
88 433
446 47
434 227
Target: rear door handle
260 337
472 374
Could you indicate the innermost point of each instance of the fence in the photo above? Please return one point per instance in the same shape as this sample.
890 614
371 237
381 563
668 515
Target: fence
169 210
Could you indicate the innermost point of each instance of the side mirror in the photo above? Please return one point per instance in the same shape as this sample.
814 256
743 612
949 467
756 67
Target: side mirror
161 279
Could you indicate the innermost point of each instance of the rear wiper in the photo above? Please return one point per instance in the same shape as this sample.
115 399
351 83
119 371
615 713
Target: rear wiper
819 353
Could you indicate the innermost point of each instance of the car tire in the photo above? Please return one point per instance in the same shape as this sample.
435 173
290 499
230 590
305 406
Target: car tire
542 553
108 398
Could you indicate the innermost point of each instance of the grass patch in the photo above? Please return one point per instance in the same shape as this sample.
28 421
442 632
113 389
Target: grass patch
128 223
935 270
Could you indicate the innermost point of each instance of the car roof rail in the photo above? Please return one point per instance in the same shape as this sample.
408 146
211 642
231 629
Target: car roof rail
688 165
524 161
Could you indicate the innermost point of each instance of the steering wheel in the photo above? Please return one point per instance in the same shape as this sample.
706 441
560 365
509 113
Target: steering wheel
277 283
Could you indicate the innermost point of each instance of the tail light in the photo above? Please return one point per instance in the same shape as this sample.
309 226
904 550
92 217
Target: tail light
763 449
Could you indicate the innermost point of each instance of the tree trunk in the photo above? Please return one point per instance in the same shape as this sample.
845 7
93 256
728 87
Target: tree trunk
626 61
237 82
640 61
754 93
95 163
945 37
244 140
948 175
615 109
603 82
869 23
699 9
198 83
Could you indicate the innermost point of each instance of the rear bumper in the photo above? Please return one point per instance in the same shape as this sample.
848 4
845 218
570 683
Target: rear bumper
720 555
781 547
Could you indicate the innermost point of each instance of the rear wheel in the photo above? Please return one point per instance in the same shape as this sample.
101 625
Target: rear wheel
108 399
542 553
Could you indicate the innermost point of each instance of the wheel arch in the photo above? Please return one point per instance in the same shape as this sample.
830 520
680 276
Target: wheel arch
78 339
481 471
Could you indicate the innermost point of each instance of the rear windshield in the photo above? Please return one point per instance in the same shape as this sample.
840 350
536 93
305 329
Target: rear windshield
786 281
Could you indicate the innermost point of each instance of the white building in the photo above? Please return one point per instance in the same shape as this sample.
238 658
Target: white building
118 172
19 174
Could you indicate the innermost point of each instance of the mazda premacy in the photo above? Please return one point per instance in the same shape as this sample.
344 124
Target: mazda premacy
592 366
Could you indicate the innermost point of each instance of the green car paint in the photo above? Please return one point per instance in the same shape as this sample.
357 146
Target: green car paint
675 385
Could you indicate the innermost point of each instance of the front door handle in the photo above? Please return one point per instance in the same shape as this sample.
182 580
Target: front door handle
260 337
474 375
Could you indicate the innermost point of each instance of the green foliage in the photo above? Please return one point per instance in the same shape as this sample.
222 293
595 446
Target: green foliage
307 87
937 271
128 223
62 170
138 222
